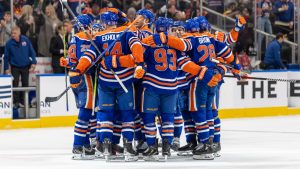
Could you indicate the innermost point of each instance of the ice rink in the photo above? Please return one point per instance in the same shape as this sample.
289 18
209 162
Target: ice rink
272 142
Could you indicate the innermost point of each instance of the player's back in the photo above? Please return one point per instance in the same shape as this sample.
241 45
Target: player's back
162 68
123 45
203 49
78 45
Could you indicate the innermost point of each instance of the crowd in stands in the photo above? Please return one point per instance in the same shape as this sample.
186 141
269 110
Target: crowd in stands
39 20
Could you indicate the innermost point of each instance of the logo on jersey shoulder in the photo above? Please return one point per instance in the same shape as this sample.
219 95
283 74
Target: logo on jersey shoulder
108 37
24 43
204 40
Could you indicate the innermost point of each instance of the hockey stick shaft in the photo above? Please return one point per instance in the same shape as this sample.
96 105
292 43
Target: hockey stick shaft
263 78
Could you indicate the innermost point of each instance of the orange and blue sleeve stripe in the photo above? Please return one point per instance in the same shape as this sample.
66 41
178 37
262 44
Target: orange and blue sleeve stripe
226 53
179 43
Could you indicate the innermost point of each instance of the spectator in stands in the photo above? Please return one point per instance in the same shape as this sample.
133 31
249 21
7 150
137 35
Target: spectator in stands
57 48
47 31
272 58
263 21
95 14
29 24
20 58
5 30
131 12
284 11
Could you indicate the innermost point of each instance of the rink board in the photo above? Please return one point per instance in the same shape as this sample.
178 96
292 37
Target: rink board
251 98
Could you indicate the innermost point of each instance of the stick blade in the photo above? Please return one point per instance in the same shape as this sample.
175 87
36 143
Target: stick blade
50 99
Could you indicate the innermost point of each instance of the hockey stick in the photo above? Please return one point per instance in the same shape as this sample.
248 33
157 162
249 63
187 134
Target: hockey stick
268 79
66 75
254 78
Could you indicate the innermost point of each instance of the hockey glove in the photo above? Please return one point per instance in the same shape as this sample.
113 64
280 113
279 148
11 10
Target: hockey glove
63 62
109 62
220 36
236 71
75 78
209 76
240 23
140 70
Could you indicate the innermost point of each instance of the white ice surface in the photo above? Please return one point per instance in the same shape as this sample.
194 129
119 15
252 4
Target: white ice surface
257 143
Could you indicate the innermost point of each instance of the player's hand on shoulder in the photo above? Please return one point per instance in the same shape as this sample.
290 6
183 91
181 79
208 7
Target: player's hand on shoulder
109 62
63 62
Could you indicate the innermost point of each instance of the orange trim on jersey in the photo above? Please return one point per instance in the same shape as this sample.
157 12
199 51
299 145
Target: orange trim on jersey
89 86
167 131
83 64
229 59
83 35
182 61
161 83
146 28
120 76
192 97
80 130
151 132
137 52
178 121
176 43
191 68
234 35
89 54
117 130
105 125
202 127
226 53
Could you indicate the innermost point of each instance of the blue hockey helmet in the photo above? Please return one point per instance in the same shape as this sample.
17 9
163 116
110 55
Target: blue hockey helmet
85 20
191 26
109 18
203 23
162 24
147 14
179 24
97 26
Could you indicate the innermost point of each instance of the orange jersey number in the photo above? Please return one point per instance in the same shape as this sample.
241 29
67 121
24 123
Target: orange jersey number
209 51
72 53
160 56
116 50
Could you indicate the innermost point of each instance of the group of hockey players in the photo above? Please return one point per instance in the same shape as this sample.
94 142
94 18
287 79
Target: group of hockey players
141 85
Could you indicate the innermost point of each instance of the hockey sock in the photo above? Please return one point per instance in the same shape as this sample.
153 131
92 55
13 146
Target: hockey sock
138 135
217 126
91 129
201 125
127 125
210 122
105 125
81 127
167 127
178 123
150 128
189 127
117 128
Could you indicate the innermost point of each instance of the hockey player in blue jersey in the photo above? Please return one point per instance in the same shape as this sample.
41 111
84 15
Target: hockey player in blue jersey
177 28
109 91
143 30
85 125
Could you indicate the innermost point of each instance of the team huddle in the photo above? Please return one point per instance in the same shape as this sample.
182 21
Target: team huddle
148 85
